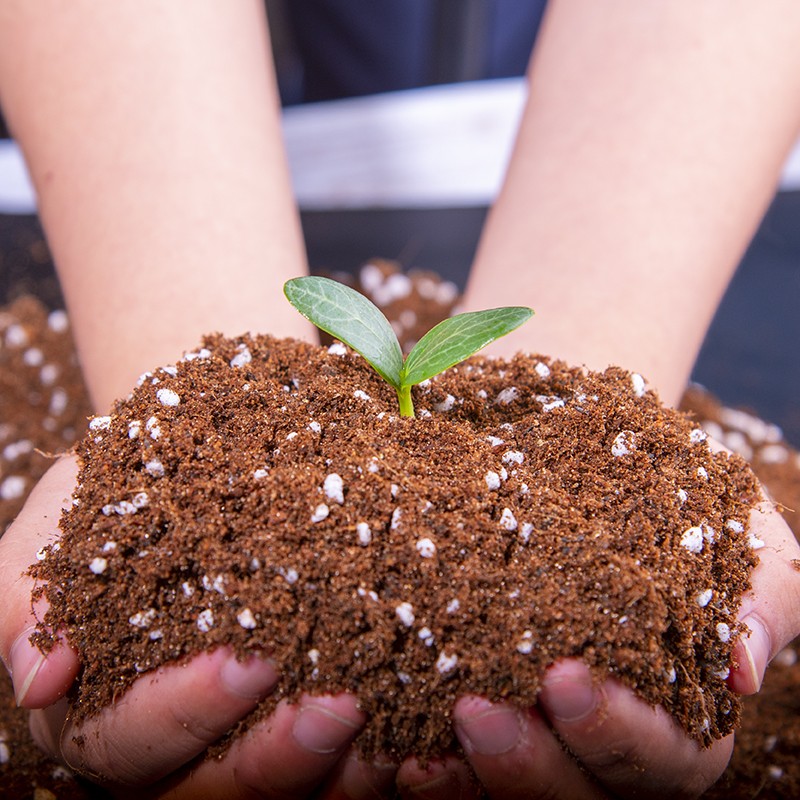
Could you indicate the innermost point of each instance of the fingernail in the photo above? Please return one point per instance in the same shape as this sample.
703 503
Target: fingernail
568 699
756 646
321 730
251 679
26 661
488 729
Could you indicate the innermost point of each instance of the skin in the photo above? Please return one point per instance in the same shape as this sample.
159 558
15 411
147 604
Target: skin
167 221
649 149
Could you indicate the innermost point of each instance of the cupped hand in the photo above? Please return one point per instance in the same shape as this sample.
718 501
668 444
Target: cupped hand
584 740
38 680
157 733
587 741
580 741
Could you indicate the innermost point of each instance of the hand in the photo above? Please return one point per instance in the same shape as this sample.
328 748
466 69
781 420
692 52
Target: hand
625 747
154 735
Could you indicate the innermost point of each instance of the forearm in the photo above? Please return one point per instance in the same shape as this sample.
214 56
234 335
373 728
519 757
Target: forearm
152 131
649 149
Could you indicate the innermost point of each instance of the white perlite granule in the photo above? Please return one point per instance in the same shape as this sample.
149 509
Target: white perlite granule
99 423
692 539
704 598
167 397
506 396
426 547
364 533
446 404
153 428
155 468
525 643
623 444
12 488
57 321
526 530
697 435
98 565
242 357
405 613
246 619
638 383
507 520
333 486
426 635
142 619
446 663
205 620
492 480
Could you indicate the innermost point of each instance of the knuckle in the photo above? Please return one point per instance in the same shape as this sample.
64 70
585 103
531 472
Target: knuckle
184 718
101 758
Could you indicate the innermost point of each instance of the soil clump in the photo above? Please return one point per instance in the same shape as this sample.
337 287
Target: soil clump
263 493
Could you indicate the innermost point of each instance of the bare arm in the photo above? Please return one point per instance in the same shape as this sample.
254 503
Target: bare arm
650 147
152 131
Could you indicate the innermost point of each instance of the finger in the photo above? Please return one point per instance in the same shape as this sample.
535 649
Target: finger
515 754
46 725
448 778
38 679
632 749
353 778
771 610
287 756
166 719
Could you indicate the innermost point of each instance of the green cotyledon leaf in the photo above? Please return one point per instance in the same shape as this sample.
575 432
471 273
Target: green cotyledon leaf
457 338
350 317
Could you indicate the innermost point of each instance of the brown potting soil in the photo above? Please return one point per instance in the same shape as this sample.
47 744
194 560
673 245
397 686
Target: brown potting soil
488 566
264 493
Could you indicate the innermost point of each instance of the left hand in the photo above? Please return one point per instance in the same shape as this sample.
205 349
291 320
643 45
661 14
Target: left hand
587 741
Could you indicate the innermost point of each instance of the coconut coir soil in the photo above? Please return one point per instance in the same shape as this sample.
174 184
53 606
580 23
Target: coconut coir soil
263 493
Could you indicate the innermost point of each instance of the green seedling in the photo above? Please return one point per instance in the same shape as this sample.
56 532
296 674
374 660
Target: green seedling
353 319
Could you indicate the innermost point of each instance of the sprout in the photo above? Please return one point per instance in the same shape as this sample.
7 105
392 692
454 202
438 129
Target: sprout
353 319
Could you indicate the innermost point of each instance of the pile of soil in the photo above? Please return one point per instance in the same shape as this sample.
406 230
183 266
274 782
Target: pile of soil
774 733
264 493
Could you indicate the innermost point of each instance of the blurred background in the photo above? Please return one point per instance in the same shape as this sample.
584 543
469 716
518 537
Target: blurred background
399 117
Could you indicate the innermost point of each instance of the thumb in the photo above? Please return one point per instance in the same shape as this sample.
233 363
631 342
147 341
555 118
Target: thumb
39 679
771 610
